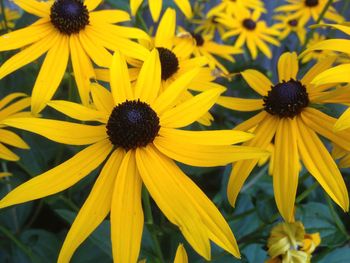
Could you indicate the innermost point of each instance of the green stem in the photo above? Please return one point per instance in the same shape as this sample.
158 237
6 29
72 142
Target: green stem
149 222
2 4
310 33
304 194
260 174
17 242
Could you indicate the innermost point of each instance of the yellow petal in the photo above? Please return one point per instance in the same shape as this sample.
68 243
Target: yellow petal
119 79
343 121
333 75
257 81
50 74
38 8
4 174
92 4
252 122
319 67
320 164
155 7
220 137
61 177
82 67
109 16
78 111
323 124
6 154
126 212
60 131
171 199
134 6
205 155
95 208
345 162
166 30
190 110
288 66
11 97
149 79
181 255
172 93
239 104
340 45
185 7
286 168
12 139
264 134
102 98
14 108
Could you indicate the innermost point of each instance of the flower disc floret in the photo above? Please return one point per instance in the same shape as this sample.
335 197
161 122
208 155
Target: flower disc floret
69 16
249 24
286 99
311 3
132 124
168 61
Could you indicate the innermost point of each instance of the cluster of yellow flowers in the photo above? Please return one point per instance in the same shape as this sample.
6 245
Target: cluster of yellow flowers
159 84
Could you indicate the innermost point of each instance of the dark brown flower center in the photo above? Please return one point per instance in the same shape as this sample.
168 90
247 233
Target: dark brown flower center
311 3
286 99
199 39
249 24
168 62
132 124
293 22
69 16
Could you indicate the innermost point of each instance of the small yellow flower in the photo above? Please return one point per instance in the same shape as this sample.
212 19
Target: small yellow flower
233 8
11 106
11 17
288 243
287 25
316 54
250 30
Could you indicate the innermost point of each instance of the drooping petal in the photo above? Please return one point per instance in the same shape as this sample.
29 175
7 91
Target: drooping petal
78 111
320 164
286 168
149 79
60 131
6 154
155 7
241 170
185 7
61 177
171 199
119 79
50 74
38 8
205 155
11 97
14 108
240 104
10 138
257 81
288 66
324 125
126 212
190 110
224 137
82 67
95 208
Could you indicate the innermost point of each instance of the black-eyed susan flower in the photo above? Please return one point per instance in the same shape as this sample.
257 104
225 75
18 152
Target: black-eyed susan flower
289 243
316 54
250 31
306 10
233 8
181 255
138 136
155 7
68 28
11 18
287 117
11 106
208 25
289 25
203 45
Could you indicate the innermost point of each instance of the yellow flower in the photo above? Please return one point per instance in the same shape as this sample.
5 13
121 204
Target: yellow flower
140 139
306 10
286 116
316 54
11 17
10 108
233 8
288 25
250 31
288 243
337 74
155 7
68 28
203 45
